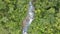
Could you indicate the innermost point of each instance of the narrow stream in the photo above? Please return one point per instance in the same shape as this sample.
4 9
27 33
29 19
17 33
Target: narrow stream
29 18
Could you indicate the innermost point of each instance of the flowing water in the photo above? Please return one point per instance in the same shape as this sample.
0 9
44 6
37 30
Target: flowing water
30 17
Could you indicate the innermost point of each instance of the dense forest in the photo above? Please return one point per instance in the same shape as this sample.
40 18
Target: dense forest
47 16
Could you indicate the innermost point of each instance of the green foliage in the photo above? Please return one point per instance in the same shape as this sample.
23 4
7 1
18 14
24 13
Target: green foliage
12 13
47 20
47 16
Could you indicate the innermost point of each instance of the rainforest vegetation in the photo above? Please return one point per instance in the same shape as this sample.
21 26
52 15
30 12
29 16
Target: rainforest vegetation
47 16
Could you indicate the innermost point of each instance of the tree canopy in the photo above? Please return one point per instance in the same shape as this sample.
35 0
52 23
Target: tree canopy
47 16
